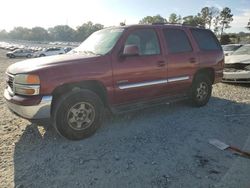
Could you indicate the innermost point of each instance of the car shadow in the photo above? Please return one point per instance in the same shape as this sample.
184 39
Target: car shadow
239 84
151 144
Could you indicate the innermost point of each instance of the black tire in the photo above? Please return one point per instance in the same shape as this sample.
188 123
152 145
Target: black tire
28 56
12 56
41 55
62 114
201 90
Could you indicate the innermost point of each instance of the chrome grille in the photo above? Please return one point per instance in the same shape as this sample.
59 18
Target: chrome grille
240 66
10 80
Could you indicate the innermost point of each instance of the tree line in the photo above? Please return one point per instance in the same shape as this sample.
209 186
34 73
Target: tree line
57 33
209 17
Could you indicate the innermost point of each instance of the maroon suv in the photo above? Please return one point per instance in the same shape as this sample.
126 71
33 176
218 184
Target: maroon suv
121 68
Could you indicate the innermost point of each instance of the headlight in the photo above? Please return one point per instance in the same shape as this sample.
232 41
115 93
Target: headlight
26 79
26 84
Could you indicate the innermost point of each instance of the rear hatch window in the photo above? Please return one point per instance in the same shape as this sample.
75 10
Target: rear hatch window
206 40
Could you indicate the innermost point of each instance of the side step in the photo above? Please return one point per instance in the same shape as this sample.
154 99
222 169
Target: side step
146 104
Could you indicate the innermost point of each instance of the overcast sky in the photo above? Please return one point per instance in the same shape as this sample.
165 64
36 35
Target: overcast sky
48 13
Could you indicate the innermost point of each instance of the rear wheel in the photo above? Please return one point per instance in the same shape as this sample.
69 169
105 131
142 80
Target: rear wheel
201 90
42 55
28 56
78 114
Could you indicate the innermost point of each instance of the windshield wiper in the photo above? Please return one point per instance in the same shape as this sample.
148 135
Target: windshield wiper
84 52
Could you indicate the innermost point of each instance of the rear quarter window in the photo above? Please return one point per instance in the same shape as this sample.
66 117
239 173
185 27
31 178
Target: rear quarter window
206 40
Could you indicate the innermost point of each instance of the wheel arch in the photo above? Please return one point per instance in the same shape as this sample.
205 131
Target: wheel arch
208 71
93 85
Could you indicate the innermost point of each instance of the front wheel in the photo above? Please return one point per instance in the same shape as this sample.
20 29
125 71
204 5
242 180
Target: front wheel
201 90
78 114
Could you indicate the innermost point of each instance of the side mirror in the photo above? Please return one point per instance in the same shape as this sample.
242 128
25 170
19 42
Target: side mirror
130 50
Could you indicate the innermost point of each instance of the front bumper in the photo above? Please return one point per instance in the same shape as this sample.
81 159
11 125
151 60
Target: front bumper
38 111
240 76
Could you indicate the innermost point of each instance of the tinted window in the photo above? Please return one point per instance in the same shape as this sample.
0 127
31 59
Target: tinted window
146 40
206 39
177 41
231 47
244 50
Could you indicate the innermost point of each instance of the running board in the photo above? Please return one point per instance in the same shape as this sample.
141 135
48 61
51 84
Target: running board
146 104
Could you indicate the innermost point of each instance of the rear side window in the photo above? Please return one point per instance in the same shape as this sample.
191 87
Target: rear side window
205 39
177 41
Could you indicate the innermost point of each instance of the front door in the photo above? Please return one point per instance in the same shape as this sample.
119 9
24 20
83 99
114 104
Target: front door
140 77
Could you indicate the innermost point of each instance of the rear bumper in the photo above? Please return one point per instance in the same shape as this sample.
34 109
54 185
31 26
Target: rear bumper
242 76
38 111
218 76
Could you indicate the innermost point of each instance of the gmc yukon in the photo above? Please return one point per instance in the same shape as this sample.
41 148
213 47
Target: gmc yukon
119 68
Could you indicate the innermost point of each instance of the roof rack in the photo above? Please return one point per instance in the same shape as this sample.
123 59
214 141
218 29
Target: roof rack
178 24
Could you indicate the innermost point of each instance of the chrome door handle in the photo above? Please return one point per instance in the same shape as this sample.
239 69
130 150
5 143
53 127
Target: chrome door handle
161 63
192 60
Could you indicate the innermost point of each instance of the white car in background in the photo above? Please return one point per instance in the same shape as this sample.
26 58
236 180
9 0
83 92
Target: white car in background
237 66
20 53
228 49
49 52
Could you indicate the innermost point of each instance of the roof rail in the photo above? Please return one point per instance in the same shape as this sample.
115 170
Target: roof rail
158 23
178 24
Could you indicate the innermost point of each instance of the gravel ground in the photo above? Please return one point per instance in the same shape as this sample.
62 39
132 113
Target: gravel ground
164 146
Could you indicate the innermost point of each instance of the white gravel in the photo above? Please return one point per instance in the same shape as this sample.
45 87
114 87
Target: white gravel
164 146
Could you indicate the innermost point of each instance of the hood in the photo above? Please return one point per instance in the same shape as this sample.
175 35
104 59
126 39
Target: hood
45 62
237 59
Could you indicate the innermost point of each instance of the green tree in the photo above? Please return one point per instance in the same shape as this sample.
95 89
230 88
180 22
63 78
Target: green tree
4 34
225 19
86 29
62 33
208 14
193 20
20 33
153 19
39 34
213 13
225 39
173 18
248 25
216 24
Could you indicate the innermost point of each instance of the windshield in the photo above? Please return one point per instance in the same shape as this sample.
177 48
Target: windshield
231 47
100 42
244 50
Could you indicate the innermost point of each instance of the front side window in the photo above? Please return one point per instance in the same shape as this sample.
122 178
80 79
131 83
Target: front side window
177 41
146 40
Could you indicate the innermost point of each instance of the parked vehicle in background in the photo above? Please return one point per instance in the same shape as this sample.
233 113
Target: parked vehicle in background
121 68
49 52
67 49
20 53
237 66
230 48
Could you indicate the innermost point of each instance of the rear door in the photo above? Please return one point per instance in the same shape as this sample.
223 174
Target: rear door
142 77
181 58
